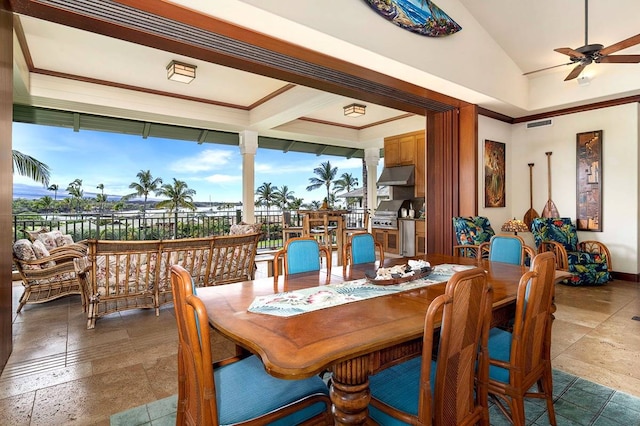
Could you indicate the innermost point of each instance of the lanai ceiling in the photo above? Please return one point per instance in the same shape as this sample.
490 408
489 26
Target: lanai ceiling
72 69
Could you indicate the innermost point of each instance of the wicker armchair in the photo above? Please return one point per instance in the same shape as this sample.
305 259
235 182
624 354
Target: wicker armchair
588 261
470 232
47 274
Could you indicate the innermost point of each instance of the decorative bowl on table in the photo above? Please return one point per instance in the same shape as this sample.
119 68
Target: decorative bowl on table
399 274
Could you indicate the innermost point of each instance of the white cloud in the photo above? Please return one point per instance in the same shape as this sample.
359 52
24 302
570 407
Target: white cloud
219 178
209 159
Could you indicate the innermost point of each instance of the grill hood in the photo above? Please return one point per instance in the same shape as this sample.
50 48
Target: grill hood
397 176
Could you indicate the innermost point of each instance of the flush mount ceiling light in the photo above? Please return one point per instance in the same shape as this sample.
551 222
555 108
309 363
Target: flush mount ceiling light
354 110
179 71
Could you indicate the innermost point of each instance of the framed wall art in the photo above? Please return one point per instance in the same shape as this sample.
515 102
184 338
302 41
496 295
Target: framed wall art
494 174
589 181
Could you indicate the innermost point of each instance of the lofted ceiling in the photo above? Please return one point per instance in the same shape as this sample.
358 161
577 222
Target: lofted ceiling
59 59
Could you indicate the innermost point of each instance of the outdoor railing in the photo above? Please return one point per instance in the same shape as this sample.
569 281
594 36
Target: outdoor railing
154 225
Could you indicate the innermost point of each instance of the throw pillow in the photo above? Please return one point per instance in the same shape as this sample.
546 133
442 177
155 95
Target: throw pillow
245 228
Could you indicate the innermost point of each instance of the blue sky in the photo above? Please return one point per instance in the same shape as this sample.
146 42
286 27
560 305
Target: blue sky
214 171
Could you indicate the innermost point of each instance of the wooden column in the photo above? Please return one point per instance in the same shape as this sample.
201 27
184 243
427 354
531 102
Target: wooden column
6 178
452 173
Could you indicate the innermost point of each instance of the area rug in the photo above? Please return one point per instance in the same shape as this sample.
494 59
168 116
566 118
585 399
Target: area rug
576 401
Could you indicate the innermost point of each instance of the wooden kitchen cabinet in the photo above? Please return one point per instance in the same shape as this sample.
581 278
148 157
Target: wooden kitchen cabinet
408 149
389 238
391 152
421 237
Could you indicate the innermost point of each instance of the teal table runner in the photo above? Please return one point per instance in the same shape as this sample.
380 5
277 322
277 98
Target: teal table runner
311 299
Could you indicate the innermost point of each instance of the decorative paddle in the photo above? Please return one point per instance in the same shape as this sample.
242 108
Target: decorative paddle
531 213
550 209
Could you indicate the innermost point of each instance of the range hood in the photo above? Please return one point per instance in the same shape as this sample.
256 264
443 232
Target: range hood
397 176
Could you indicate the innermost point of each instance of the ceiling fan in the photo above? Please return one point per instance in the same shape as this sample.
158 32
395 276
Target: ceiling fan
589 53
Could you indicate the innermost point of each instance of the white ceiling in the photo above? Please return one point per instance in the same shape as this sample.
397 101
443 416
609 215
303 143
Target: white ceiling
527 31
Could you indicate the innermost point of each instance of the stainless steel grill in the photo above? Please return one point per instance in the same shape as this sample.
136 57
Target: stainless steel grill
387 214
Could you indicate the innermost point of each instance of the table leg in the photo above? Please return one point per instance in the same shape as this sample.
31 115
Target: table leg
350 391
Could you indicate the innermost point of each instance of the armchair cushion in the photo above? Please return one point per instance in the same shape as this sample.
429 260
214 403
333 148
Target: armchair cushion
559 229
587 267
473 230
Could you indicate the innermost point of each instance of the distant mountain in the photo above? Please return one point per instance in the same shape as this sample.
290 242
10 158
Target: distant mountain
32 192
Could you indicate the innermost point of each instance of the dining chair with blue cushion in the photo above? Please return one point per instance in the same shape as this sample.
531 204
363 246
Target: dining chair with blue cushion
588 261
521 358
471 231
238 391
506 249
361 248
301 255
453 389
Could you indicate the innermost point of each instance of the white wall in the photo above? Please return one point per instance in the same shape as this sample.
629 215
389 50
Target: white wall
620 177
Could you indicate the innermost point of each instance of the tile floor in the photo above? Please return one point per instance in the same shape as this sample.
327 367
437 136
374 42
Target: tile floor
60 373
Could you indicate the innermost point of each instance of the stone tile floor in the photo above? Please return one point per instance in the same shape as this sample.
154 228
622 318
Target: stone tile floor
61 373
577 402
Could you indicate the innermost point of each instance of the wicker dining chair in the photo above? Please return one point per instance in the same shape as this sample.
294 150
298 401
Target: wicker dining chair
361 248
238 391
522 358
453 389
300 255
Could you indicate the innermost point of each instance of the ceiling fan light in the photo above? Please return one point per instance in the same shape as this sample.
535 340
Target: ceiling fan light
354 110
181 72
583 80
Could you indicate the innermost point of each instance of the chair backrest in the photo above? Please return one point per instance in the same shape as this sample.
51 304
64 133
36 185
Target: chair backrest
196 387
507 249
532 325
460 390
559 229
363 248
301 255
473 230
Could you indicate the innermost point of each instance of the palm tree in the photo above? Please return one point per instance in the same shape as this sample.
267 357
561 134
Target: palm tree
266 197
146 184
346 183
325 176
28 166
179 195
54 187
45 203
100 198
76 192
283 197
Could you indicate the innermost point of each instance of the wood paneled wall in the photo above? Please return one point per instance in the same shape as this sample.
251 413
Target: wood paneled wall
6 179
452 170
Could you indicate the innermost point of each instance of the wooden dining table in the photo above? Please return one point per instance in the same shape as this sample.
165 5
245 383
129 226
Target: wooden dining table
352 340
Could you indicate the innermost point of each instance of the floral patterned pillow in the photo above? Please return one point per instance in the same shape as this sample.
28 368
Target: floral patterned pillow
66 240
48 239
23 250
41 252
245 228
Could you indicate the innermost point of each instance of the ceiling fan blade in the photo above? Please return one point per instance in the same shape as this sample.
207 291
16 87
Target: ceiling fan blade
631 41
620 59
569 52
576 72
547 68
